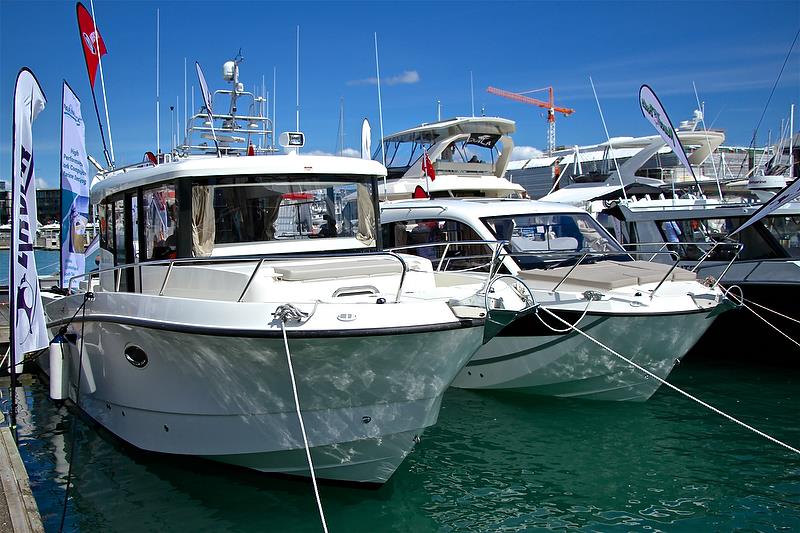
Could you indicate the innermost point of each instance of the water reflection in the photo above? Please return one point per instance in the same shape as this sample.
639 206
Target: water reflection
492 463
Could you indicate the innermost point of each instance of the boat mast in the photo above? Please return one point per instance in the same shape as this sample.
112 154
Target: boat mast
791 142
158 104
297 82
380 114
608 138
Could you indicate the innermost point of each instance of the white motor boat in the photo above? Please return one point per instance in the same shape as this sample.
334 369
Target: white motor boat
469 156
647 311
181 329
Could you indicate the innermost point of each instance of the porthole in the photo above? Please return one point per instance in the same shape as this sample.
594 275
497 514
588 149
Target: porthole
136 356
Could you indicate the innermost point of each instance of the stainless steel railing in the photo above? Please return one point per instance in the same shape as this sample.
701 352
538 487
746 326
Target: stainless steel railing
170 264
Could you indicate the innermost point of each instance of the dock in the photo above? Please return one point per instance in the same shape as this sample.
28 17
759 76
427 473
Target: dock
18 510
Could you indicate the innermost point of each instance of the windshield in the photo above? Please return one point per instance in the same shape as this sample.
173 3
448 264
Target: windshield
257 209
536 238
785 228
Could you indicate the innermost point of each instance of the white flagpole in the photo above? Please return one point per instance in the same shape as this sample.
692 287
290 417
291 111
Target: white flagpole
472 93
185 101
297 82
274 99
158 105
610 147
102 84
702 110
380 114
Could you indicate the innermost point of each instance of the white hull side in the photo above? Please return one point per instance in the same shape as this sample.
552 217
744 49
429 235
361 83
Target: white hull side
570 365
364 398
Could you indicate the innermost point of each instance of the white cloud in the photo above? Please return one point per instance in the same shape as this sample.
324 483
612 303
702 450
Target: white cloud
41 183
347 152
407 77
525 152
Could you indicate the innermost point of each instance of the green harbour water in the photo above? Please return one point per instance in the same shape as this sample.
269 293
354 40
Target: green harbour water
494 462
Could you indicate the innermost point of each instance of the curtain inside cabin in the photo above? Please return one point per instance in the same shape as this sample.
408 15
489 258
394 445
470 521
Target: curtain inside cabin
366 216
203 226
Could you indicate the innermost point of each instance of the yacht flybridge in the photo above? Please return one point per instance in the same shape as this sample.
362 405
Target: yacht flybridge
579 276
208 254
469 156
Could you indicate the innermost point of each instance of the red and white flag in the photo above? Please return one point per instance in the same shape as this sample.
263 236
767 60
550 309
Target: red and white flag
93 45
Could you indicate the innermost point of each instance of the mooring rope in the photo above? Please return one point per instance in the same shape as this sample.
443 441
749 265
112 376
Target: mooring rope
666 383
285 313
765 308
740 300
73 437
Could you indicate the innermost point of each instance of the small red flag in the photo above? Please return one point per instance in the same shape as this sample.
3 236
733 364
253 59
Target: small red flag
419 192
93 45
427 167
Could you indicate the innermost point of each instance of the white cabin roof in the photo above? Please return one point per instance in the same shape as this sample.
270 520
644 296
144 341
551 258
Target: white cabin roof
202 166
454 126
469 209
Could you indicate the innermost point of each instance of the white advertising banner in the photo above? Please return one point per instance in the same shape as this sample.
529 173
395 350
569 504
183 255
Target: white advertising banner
74 187
366 140
654 112
207 100
27 315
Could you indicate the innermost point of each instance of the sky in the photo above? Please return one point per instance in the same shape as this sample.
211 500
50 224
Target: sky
732 51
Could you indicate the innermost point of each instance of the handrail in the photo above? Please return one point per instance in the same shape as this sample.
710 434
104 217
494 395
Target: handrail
250 280
584 255
171 263
713 246
444 259
578 262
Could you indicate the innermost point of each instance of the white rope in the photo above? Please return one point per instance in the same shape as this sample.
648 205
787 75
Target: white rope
303 428
673 387
571 326
765 308
740 300
770 324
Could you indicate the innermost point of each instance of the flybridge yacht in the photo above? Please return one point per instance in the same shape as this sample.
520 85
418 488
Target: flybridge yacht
645 163
469 156
181 328
647 311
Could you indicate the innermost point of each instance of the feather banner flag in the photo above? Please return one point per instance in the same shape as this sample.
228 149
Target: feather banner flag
28 332
654 112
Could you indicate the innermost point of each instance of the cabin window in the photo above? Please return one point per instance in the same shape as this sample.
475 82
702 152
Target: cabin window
429 238
279 209
695 237
160 212
786 229
552 233
119 232
104 220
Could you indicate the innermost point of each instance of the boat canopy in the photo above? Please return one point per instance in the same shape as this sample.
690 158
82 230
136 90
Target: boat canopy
431 132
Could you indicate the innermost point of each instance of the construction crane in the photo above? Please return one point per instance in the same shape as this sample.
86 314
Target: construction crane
550 106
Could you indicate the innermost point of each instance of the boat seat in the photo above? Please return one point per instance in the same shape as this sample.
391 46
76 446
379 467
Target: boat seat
343 269
609 275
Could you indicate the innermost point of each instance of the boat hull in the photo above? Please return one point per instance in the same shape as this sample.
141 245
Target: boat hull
365 397
569 365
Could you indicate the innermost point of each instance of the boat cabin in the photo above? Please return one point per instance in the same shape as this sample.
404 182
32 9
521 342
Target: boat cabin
693 225
236 206
469 156
540 235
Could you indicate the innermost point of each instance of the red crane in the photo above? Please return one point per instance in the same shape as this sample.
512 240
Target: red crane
549 105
